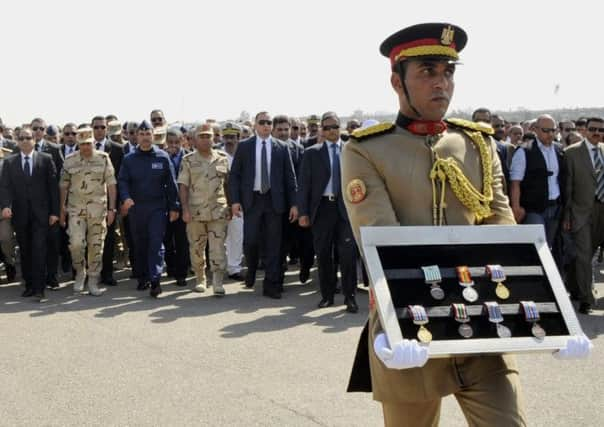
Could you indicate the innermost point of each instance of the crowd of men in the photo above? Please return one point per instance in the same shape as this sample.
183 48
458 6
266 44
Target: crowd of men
207 196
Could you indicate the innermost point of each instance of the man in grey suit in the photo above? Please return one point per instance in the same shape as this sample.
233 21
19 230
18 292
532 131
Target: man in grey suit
584 208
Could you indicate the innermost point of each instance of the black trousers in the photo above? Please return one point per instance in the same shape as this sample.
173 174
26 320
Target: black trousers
332 231
263 227
32 238
53 247
108 252
130 243
64 250
176 246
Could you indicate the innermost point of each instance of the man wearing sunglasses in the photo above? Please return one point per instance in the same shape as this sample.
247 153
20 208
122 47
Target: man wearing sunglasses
157 118
115 151
536 180
262 185
29 196
584 209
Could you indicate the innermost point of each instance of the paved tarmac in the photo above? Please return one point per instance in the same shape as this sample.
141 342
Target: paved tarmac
187 359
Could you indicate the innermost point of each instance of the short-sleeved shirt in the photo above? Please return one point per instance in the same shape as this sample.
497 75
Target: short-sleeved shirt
206 180
86 180
518 168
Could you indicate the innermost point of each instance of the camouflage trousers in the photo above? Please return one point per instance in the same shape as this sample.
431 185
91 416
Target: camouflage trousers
199 234
87 232
7 241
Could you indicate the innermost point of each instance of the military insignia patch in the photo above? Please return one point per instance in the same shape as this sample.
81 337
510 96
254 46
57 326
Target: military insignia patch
446 38
356 191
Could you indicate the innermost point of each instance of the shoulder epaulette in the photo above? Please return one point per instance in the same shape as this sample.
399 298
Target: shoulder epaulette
220 153
470 125
188 155
371 131
6 150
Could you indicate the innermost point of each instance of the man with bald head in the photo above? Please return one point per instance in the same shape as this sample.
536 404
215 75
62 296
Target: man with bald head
535 180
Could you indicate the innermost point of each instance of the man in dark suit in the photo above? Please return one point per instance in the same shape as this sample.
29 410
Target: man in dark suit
116 154
39 126
29 195
262 184
322 206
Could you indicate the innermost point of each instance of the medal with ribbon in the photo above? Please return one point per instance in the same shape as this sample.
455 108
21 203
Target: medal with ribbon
465 280
420 318
433 278
495 316
461 315
498 276
531 314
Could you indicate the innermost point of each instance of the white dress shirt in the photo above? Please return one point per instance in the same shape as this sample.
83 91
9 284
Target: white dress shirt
31 161
258 175
69 149
518 168
329 187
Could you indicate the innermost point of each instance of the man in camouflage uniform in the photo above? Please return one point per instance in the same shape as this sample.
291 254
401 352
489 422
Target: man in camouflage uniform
87 181
202 188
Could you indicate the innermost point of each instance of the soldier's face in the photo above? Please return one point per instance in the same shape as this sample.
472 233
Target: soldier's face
85 149
230 143
430 85
144 138
204 142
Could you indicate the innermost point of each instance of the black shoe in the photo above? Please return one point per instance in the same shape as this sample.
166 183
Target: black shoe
11 272
338 290
109 281
40 296
143 285
181 282
293 261
261 266
53 285
351 305
28 293
585 308
155 290
304 275
236 276
250 280
272 294
325 303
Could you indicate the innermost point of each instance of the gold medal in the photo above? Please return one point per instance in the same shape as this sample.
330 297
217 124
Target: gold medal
502 291
424 335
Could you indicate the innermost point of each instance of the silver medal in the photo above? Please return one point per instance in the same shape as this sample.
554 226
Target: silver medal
538 331
503 331
470 294
465 330
437 292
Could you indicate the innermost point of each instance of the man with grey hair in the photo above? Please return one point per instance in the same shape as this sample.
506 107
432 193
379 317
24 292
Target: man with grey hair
536 180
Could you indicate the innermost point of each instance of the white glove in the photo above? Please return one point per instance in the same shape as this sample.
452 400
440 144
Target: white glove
577 347
404 355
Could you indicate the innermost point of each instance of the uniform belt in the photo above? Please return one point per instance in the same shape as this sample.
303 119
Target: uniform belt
331 198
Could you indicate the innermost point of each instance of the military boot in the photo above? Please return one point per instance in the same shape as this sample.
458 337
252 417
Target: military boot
78 283
217 277
200 280
93 286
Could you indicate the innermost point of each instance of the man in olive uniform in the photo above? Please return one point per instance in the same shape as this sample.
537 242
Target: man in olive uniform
88 197
392 174
202 188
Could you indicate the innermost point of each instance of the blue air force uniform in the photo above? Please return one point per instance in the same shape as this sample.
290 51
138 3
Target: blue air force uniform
148 178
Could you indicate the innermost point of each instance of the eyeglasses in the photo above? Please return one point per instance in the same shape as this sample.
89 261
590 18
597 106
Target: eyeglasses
38 128
568 129
69 133
25 138
498 126
99 127
331 127
548 130
204 136
265 122
295 128
157 120
594 130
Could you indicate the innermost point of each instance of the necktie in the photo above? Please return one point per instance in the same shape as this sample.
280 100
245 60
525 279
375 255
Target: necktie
599 169
26 167
264 182
335 170
37 147
98 145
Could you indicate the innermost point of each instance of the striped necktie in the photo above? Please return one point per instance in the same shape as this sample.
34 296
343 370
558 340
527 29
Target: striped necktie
599 170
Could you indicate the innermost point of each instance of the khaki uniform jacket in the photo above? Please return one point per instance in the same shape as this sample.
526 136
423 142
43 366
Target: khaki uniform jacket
395 169
206 179
86 182
580 185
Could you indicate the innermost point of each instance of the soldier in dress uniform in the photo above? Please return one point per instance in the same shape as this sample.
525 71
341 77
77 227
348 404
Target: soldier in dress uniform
202 188
88 200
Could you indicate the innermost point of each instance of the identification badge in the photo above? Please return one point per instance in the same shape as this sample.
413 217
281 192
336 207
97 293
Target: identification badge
461 315
531 315
494 312
420 318
433 278
498 276
158 165
465 280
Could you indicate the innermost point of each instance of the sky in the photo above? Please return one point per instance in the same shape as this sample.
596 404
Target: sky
70 60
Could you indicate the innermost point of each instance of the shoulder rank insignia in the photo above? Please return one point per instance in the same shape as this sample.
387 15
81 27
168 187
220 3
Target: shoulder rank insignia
470 125
375 130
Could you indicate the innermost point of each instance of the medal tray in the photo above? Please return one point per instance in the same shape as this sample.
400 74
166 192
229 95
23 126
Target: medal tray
525 280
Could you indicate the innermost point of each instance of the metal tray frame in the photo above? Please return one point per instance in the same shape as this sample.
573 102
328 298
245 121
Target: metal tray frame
374 237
